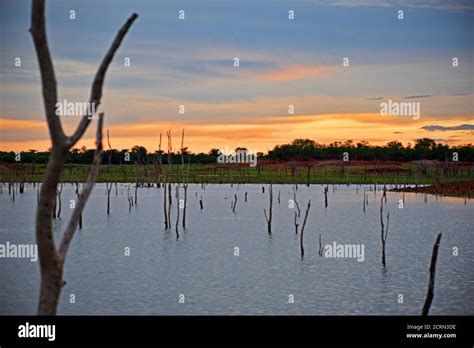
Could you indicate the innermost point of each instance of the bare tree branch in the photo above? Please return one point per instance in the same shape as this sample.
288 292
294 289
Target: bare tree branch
96 92
48 78
51 261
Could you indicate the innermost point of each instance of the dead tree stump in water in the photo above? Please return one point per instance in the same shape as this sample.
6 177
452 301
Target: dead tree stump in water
302 228
321 249
185 203
234 203
326 189
165 205
384 231
296 224
169 205
136 191
363 207
108 189
296 203
430 294
177 212
269 217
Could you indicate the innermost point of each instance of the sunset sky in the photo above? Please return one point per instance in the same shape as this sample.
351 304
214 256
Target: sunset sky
190 62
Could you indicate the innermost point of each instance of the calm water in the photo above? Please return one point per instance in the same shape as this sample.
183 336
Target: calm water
202 266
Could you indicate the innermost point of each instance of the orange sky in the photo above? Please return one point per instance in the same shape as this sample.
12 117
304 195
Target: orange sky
256 134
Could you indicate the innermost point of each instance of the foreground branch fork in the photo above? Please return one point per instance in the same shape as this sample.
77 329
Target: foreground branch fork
51 260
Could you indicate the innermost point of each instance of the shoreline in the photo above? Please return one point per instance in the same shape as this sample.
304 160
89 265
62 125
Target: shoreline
462 188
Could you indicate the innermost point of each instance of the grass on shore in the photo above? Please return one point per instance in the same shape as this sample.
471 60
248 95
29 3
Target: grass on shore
377 173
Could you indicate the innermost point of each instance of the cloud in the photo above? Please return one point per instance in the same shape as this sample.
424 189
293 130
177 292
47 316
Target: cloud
434 4
433 128
418 96
435 95
291 72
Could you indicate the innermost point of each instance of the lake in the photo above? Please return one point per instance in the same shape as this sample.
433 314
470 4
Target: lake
204 273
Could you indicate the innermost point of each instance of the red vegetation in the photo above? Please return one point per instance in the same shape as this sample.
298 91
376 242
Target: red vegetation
457 188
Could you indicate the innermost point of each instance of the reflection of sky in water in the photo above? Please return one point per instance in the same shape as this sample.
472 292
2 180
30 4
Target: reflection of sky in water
201 264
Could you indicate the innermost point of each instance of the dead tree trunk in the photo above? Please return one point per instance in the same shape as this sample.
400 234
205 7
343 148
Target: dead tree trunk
177 211
430 294
136 190
383 232
364 201
80 216
269 217
108 189
296 203
321 249
182 154
296 224
130 199
164 206
159 166
302 228
234 203
170 150
51 259
185 203
326 189
169 205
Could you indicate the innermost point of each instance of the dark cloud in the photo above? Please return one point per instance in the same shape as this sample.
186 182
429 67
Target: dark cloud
455 5
433 128
435 95
418 96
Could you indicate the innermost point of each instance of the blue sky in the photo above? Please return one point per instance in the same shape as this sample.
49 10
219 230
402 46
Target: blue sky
190 62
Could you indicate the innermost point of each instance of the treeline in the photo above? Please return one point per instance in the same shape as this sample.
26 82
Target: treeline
423 149
298 149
